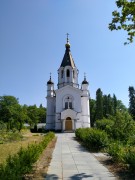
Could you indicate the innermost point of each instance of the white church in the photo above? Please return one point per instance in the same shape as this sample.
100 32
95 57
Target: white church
68 106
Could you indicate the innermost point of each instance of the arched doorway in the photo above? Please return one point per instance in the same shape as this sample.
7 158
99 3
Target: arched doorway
68 124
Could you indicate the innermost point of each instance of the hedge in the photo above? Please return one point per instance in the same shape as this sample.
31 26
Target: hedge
93 139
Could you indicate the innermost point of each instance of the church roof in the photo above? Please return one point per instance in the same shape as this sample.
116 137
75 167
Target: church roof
67 59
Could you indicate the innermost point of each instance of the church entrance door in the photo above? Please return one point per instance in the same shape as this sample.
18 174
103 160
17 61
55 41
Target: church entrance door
68 124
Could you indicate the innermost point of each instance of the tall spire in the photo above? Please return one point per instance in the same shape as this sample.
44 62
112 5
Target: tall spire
67 59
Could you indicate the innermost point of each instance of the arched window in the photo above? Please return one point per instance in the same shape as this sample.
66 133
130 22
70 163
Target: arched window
68 73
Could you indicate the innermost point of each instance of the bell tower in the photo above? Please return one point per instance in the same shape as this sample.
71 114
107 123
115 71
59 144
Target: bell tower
50 117
68 72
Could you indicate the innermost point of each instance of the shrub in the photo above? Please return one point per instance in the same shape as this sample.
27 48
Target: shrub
105 124
123 127
120 127
130 158
93 139
82 133
117 151
131 141
97 140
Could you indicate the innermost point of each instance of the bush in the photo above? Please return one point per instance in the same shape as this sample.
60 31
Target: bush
130 158
116 150
123 127
105 124
21 163
93 139
120 127
82 133
122 154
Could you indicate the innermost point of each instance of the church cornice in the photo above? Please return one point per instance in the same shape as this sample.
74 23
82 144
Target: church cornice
70 87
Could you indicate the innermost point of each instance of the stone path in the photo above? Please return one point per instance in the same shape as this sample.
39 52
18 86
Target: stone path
71 161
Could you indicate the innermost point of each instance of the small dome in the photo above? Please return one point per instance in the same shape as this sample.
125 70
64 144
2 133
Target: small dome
50 80
85 81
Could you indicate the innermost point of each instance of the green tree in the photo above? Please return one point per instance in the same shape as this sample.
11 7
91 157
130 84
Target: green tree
99 104
11 112
7 104
92 111
114 100
124 18
110 105
123 127
132 101
33 115
42 114
105 106
121 106
20 115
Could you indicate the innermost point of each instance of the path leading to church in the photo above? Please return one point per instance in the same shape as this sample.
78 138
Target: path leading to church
71 161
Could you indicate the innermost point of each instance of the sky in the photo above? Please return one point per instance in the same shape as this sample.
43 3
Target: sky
32 44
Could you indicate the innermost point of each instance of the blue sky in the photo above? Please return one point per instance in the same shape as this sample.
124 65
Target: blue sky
32 44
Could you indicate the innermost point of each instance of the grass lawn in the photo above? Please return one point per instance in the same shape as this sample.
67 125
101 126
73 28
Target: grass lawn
13 147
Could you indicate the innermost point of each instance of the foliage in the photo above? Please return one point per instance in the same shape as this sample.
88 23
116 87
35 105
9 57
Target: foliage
16 166
122 154
11 112
93 139
92 111
123 127
99 104
119 127
121 106
14 114
104 106
105 124
129 158
121 132
132 101
115 104
116 150
124 18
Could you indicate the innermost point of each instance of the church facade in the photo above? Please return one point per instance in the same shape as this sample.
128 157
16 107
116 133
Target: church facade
68 106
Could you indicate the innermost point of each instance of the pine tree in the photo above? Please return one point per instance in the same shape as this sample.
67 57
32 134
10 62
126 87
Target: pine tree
92 111
99 104
110 105
114 104
105 106
132 101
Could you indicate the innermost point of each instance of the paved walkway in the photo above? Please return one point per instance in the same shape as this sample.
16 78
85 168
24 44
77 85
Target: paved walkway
71 161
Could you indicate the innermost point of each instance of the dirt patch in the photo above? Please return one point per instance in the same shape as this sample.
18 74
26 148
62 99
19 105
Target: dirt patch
41 166
121 172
